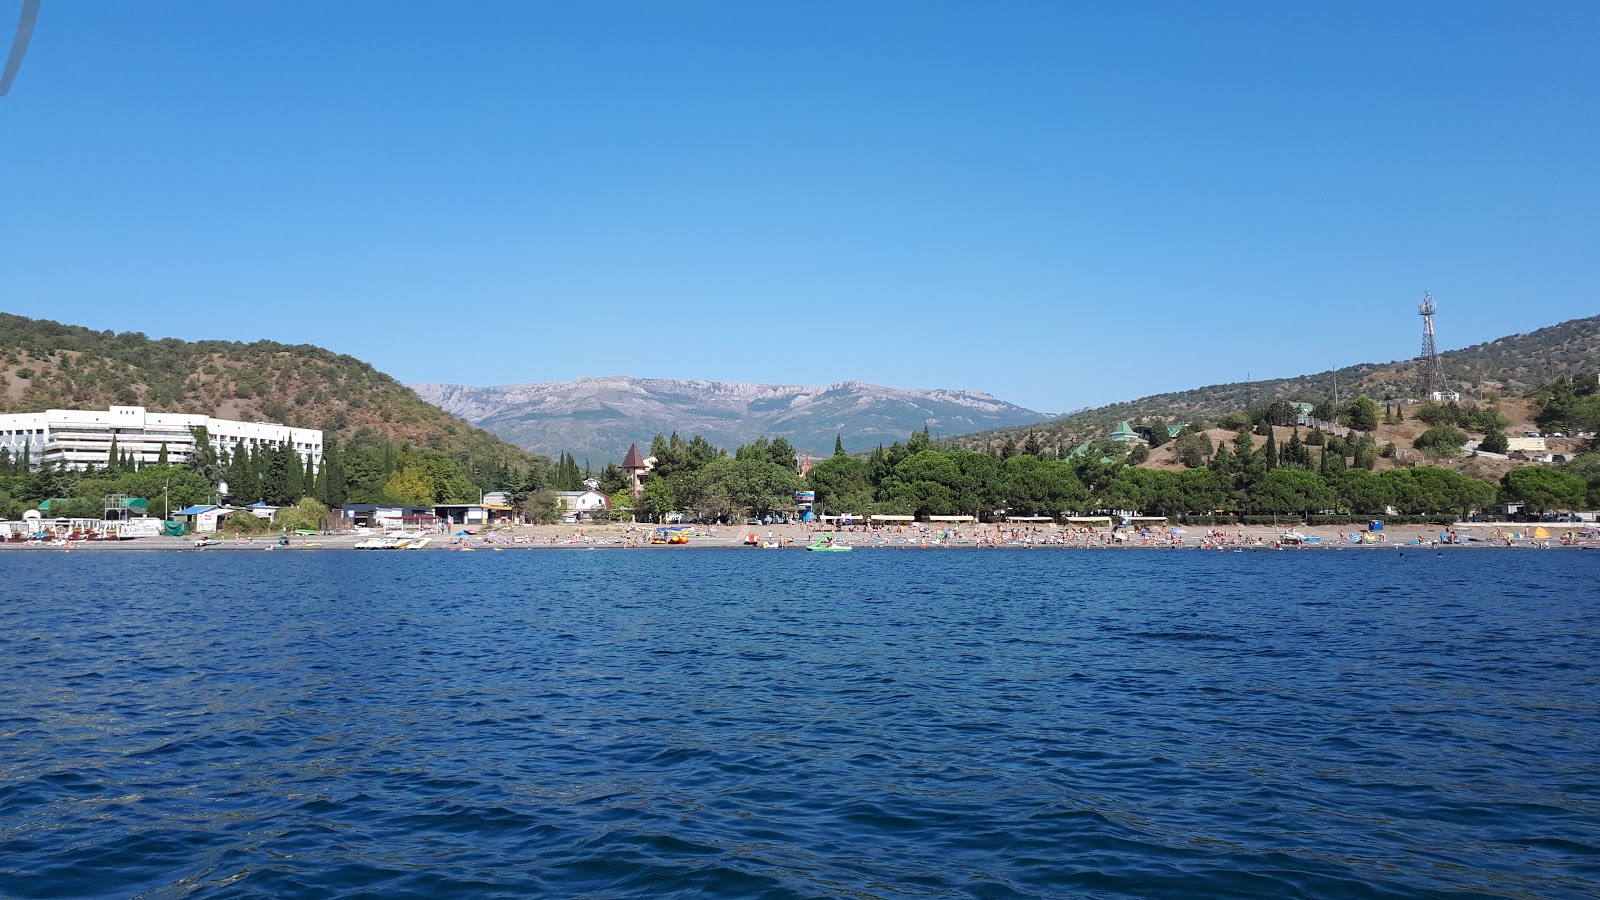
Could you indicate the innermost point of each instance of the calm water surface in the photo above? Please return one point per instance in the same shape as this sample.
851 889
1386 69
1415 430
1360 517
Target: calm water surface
739 724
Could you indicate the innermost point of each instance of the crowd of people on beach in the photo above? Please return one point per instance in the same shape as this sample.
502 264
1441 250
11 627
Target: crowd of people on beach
931 535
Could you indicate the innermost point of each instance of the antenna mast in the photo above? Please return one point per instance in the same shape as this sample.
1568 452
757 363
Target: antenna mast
1432 374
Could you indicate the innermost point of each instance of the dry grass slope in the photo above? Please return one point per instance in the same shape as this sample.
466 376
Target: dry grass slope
1510 366
47 365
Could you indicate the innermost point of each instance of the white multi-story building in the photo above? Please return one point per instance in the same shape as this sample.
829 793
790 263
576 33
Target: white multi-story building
76 438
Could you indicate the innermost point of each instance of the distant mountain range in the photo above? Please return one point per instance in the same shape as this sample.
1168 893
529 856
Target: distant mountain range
597 418
1509 366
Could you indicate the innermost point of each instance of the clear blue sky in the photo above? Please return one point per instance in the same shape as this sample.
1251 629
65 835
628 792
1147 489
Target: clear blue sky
1063 204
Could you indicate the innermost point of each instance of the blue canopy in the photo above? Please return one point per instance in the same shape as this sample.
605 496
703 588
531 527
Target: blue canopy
194 510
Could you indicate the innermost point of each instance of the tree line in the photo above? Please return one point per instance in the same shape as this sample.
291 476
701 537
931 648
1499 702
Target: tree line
366 469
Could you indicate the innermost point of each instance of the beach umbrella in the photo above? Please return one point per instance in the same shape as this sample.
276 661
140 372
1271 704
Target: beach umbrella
463 534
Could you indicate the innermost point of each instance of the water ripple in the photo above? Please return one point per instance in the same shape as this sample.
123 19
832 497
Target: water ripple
733 724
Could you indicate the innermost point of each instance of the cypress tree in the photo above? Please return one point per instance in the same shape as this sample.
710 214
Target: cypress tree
241 476
275 478
294 484
838 445
161 458
333 459
113 455
1269 452
309 478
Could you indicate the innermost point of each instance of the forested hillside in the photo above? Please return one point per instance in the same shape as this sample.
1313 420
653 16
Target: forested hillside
1510 366
46 364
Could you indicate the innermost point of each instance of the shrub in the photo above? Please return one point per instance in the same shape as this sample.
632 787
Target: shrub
1440 439
243 522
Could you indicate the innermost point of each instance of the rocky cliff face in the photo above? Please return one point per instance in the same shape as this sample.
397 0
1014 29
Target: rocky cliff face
600 417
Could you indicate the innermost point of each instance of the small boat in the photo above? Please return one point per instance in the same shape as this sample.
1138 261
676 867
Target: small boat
382 543
825 543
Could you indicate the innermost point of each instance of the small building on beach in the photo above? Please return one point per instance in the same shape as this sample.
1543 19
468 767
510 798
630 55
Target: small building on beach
202 519
381 515
583 505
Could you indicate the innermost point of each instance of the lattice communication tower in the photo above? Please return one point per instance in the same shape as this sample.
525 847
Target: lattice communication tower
1428 361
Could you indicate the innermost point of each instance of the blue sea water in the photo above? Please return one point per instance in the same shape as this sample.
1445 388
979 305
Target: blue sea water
702 723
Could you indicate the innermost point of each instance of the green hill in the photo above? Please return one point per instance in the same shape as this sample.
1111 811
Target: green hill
1509 366
46 365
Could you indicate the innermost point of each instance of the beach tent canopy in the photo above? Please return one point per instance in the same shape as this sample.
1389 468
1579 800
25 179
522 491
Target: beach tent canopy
893 518
952 519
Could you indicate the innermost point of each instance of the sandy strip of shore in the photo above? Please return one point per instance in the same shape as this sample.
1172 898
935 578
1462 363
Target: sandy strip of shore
531 537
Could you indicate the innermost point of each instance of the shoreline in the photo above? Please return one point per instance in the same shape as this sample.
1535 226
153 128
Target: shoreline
985 537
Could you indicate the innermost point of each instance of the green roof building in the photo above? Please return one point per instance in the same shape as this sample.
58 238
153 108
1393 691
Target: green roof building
1126 435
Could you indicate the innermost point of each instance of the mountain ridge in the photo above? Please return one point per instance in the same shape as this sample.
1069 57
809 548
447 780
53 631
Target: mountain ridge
602 415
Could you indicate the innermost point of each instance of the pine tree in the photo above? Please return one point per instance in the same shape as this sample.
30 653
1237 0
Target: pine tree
1222 461
1294 452
1332 461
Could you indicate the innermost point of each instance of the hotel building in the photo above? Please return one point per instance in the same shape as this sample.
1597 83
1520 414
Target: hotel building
77 438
